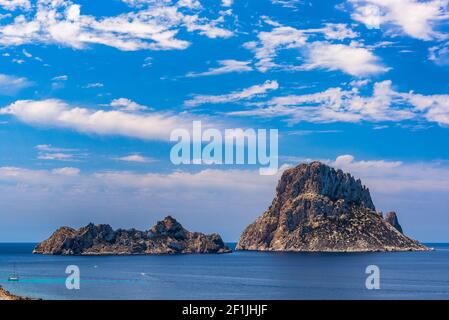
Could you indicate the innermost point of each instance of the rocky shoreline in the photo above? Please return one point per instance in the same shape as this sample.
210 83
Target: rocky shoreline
6 295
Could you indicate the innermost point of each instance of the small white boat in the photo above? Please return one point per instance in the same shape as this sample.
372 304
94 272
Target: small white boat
15 276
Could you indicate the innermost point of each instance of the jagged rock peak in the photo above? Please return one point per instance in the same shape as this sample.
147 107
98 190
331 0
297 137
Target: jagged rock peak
320 179
166 237
318 208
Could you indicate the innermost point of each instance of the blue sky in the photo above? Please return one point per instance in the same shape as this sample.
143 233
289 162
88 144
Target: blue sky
90 91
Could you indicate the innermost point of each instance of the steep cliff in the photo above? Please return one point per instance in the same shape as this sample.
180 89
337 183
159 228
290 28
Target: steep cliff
318 208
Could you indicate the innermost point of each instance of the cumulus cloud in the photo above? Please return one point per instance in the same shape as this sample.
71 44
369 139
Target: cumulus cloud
270 42
10 85
227 3
127 105
417 19
153 27
342 105
134 158
226 66
353 60
15 4
58 114
245 94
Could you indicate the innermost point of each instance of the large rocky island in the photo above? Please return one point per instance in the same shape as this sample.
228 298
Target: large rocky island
166 237
320 209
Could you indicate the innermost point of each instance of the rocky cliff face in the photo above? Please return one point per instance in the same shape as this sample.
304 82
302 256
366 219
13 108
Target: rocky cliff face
166 237
318 208
392 219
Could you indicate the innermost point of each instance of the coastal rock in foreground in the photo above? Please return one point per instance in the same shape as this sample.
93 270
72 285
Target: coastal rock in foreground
6 295
320 209
166 237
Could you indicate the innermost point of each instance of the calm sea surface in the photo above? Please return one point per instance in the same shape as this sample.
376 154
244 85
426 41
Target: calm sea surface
239 275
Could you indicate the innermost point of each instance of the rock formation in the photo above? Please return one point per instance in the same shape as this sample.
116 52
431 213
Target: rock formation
318 208
166 237
392 219
6 295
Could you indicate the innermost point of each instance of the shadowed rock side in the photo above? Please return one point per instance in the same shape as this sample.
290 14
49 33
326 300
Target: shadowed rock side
320 209
392 219
166 237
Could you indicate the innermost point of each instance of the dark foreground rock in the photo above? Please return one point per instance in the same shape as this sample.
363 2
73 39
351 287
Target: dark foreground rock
320 209
166 237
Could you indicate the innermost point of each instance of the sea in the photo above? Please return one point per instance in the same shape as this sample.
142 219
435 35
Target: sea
238 275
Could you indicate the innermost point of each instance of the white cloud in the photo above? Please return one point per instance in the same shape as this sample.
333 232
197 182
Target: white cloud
56 156
397 175
211 29
338 31
439 54
417 19
60 78
269 43
66 171
154 27
248 93
50 148
134 158
226 66
346 162
292 4
353 60
49 152
15 4
227 3
10 85
147 62
335 31
27 54
58 114
127 105
94 85
434 108
208 178
339 105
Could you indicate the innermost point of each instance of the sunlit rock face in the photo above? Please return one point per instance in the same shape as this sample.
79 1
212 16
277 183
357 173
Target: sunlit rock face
166 237
318 208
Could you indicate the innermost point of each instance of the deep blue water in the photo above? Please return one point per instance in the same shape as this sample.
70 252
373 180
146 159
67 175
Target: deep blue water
240 275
